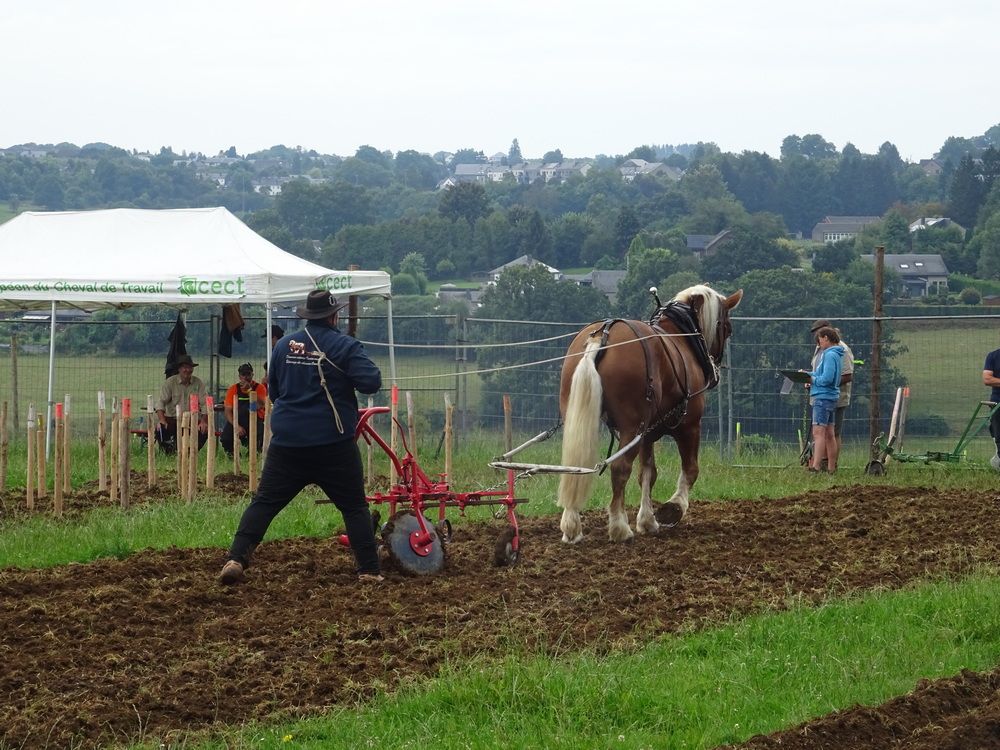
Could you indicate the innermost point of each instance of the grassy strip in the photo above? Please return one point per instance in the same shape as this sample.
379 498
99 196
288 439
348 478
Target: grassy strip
700 690
38 541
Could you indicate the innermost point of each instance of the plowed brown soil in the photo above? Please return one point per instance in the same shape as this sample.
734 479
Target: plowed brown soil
97 653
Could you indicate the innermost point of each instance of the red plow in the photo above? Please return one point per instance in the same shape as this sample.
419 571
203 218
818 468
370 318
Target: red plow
415 543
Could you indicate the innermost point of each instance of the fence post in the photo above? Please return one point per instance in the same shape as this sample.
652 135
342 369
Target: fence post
125 454
411 422
57 464
30 479
252 439
3 448
67 453
151 420
875 414
102 443
448 437
13 382
210 457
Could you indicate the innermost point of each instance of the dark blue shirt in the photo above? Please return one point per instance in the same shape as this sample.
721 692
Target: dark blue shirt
993 365
302 414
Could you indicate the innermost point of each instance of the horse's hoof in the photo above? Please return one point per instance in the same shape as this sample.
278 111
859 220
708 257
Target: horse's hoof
651 527
575 540
669 514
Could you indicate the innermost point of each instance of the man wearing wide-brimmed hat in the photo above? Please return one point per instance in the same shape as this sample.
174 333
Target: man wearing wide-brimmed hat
313 377
177 391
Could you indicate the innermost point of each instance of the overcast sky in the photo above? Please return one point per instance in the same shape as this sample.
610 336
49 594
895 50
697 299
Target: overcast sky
439 75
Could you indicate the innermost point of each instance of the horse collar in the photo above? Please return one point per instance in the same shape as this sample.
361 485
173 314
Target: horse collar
683 316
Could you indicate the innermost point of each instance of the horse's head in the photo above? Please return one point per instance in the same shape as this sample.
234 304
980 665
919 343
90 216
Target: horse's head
712 310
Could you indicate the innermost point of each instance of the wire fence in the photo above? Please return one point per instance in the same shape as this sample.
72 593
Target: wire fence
478 362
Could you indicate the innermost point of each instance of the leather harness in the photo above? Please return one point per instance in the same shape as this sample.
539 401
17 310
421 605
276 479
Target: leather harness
684 318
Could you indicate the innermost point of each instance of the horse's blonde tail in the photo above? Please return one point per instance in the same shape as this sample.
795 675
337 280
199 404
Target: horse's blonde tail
580 429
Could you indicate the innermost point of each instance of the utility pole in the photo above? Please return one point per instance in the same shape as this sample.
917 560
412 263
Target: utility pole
876 367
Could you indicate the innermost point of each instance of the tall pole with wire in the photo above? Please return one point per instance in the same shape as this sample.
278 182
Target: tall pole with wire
876 369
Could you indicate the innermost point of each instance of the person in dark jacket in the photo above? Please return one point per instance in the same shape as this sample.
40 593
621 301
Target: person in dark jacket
312 382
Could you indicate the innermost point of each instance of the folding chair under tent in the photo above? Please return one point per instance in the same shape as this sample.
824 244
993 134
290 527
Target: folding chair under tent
122 257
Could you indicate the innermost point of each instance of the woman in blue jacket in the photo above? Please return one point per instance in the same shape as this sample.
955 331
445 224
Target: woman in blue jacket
825 390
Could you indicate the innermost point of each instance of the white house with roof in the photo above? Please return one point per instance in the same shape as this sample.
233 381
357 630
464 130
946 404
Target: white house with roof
834 228
920 275
632 168
939 222
524 260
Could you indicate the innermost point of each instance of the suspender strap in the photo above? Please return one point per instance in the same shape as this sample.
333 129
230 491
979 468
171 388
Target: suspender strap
322 380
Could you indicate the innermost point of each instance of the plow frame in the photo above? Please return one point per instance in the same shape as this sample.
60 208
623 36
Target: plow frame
973 427
413 490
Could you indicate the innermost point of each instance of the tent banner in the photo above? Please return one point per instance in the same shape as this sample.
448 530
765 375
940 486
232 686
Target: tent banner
178 257
183 290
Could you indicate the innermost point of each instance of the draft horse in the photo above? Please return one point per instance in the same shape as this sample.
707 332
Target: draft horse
644 380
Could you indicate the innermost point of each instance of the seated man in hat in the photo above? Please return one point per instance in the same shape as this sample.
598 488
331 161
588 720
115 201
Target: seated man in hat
237 408
177 391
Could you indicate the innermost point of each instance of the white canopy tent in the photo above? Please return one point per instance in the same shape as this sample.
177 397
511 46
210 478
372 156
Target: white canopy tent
123 257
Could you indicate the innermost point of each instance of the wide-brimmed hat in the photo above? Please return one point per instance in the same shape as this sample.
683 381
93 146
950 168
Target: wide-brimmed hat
276 332
821 323
319 304
184 359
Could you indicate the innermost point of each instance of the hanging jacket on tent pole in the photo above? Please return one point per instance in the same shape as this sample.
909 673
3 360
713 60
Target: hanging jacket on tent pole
177 339
232 328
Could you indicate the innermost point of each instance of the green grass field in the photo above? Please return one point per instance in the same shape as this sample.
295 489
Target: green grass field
943 367
695 690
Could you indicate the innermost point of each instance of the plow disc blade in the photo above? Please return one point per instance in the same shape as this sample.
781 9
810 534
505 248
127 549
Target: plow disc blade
408 549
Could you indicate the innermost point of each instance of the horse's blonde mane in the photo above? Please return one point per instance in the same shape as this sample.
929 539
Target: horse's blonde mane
708 316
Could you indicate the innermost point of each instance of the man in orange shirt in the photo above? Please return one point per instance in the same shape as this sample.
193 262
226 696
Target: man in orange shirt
237 407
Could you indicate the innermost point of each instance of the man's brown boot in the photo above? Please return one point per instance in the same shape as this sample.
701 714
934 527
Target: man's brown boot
232 572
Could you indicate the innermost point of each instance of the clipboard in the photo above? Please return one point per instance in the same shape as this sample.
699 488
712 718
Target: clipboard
797 377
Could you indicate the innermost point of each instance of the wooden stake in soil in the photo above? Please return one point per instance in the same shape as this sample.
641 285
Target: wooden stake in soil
393 415
210 465
267 427
66 445
252 440
448 436
371 446
30 479
508 429
113 492
411 422
57 467
192 467
150 447
40 460
3 447
102 448
124 454
235 447
182 450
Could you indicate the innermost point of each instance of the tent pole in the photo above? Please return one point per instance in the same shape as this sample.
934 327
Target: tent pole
267 333
52 371
392 344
